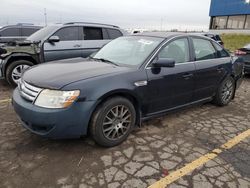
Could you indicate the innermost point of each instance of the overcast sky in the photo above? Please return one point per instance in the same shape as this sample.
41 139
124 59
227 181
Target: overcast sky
149 14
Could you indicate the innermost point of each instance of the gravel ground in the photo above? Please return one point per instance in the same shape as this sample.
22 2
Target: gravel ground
160 147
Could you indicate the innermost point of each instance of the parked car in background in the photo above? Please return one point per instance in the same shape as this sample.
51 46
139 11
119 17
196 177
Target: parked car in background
18 32
132 78
60 41
244 53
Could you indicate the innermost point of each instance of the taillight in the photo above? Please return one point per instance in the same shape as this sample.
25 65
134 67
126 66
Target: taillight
240 52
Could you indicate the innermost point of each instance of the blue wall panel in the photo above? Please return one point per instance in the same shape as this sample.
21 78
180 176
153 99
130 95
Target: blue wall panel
229 7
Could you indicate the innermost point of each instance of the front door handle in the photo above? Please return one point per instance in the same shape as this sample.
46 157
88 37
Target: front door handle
77 46
187 76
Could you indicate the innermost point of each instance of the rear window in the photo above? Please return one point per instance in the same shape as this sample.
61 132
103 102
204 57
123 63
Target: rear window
93 33
114 33
28 31
10 32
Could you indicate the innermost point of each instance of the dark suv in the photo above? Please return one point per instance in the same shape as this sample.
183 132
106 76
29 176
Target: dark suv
60 41
244 53
13 33
131 79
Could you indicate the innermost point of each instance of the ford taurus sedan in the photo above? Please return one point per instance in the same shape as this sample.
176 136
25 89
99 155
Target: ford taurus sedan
129 80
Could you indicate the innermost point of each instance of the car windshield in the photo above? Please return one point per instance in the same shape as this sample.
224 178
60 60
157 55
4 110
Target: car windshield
42 33
128 51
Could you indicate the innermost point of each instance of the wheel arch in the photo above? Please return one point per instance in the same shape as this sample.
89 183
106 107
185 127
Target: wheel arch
120 93
17 57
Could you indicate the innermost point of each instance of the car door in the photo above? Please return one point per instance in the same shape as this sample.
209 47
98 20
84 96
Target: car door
209 68
171 87
69 46
94 39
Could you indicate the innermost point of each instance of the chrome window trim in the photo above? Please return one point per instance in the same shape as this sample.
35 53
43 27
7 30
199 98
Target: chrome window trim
189 62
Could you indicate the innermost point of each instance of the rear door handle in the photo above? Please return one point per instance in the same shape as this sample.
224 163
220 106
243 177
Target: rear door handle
77 46
187 76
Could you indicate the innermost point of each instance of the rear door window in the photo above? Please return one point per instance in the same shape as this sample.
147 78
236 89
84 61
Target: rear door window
68 34
93 33
105 34
114 33
203 49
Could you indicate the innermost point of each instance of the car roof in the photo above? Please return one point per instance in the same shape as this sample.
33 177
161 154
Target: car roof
90 24
167 34
203 33
20 26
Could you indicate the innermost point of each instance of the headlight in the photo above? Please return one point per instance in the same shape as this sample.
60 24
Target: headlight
56 99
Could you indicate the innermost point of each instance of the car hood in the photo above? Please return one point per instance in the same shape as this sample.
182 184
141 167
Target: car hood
57 74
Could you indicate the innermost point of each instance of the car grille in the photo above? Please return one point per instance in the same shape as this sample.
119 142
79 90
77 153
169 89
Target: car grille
28 91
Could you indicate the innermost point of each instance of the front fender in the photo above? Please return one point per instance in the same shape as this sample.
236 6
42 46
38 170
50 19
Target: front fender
17 56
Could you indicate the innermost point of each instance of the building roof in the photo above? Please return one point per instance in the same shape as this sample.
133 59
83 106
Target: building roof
229 7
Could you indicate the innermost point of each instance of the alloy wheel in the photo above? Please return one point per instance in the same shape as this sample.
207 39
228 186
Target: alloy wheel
17 72
117 122
227 91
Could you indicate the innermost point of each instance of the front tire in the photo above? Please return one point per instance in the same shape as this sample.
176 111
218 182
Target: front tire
225 92
15 70
112 122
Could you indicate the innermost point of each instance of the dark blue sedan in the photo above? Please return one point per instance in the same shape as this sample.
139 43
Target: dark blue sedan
129 80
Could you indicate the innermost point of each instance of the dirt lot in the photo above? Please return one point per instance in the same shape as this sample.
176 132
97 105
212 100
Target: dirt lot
162 146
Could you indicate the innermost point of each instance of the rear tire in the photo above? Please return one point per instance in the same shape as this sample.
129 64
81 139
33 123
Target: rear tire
15 70
113 121
225 92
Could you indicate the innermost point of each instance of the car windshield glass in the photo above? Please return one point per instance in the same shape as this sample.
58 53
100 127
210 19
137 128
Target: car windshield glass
42 33
128 51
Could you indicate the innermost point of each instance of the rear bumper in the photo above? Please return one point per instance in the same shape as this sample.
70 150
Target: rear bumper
71 122
238 82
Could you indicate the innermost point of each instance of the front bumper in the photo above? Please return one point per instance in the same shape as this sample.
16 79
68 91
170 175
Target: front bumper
71 122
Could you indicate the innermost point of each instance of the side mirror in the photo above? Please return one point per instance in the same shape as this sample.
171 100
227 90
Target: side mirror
53 39
164 62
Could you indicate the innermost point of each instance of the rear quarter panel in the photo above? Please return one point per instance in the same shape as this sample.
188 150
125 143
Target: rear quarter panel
237 66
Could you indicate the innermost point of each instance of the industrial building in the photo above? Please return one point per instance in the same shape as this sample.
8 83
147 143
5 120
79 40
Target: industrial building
228 16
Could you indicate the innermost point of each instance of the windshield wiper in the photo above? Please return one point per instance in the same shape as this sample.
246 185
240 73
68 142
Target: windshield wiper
105 60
